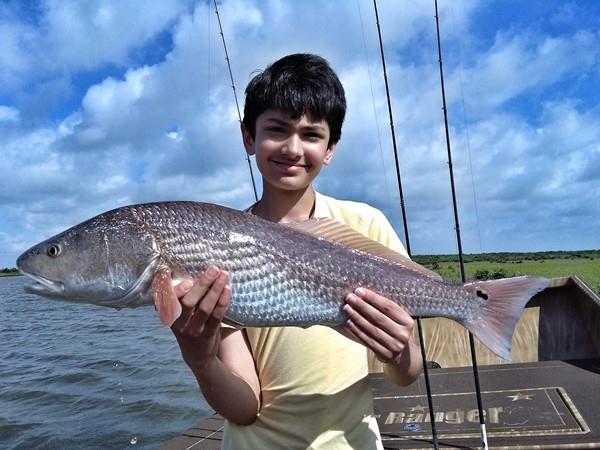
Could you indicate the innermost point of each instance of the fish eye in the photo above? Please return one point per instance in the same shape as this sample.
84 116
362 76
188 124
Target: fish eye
53 250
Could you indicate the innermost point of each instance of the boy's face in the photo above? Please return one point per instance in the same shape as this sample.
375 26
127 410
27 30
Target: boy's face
289 153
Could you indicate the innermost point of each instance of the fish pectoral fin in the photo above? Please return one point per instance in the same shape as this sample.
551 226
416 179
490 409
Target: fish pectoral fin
166 303
335 231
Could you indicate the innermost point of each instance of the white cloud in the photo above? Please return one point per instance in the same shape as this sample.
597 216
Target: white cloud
14 61
9 114
109 108
73 35
85 34
174 135
519 63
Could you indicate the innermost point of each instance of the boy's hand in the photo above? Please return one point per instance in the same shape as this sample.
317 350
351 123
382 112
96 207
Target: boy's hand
379 323
203 302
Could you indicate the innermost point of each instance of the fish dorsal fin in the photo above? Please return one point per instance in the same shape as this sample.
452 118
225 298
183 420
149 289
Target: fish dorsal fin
338 232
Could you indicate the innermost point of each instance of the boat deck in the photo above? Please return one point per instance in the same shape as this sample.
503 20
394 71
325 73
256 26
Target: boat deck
539 405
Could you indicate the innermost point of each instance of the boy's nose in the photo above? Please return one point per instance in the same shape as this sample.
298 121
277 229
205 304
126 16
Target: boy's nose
292 146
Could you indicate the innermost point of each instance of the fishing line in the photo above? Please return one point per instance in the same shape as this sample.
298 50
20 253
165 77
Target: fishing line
406 237
375 115
234 94
467 134
457 228
389 104
209 55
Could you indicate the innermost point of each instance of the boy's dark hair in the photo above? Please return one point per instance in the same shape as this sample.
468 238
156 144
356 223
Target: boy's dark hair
297 84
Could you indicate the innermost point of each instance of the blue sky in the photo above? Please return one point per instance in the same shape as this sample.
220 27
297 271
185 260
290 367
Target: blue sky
104 103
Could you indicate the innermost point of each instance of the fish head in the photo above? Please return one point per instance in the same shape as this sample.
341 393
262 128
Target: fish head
107 260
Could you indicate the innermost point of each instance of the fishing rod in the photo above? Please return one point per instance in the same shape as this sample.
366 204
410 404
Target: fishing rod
234 95
406 234
457 228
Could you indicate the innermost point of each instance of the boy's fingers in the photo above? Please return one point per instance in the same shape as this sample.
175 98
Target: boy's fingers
374 331
205 310
213 323
180 325
183 287
393 342
210 299
367 313
224 299
384 305
206 320
200 287
382 353
381 312
200 302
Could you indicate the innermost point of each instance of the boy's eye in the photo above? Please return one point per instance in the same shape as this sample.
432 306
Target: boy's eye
274 129
314 136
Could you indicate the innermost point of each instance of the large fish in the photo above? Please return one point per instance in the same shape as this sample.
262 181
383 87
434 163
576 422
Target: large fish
281 275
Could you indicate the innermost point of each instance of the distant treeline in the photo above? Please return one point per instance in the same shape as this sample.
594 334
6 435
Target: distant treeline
506 257
489 266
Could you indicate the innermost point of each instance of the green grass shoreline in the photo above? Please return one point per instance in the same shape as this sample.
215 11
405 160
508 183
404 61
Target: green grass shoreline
9 272
583 263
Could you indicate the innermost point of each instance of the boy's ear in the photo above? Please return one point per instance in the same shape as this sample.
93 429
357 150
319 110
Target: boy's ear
329 154
248 140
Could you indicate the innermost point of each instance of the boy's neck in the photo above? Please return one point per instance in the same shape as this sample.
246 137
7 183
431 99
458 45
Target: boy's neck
283 206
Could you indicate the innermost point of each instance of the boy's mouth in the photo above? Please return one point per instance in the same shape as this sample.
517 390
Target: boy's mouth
288 164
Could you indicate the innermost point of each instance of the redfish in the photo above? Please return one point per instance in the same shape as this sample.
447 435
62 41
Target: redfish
281 275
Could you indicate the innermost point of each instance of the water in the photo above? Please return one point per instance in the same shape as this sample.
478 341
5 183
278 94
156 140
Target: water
81 376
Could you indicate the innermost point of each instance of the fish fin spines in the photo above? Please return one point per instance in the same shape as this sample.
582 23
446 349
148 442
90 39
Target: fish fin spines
504 301
340 233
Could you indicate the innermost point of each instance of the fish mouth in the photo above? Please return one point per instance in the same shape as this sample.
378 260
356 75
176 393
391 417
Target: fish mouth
43 286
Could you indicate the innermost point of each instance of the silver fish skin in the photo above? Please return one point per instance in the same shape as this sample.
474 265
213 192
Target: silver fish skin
280 276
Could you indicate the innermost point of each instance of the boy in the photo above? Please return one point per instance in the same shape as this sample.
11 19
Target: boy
288 388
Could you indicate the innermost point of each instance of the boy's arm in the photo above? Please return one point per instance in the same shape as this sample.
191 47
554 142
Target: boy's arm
383 326
220 358
228 391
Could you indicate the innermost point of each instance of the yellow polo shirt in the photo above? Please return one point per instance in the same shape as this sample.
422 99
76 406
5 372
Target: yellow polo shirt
314 387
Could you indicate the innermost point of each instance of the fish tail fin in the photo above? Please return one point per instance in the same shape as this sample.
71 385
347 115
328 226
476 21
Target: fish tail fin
505 300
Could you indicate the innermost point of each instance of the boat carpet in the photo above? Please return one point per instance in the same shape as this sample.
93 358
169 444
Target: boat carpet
540 405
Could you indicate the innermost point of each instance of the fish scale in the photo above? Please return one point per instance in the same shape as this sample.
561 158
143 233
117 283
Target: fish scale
294 275
309 299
